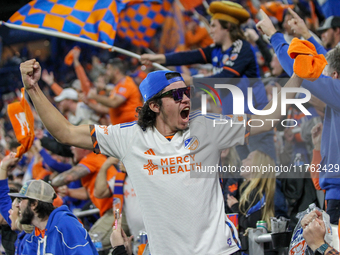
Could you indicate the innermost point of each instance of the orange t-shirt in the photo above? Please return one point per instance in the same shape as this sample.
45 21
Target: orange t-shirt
126 112
94 162
39 172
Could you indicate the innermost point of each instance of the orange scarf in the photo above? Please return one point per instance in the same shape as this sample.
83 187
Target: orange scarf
118 193
308 63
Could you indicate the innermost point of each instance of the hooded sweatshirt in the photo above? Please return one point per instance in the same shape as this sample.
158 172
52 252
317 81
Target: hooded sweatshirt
64 234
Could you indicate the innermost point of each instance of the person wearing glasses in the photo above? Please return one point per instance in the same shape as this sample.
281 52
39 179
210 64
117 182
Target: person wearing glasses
166 154
234 62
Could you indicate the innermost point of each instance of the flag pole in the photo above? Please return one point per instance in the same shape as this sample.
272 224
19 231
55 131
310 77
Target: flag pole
78 39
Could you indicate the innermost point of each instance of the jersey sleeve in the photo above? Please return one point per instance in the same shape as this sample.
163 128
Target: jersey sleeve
199 56
92 162
227 131
113 140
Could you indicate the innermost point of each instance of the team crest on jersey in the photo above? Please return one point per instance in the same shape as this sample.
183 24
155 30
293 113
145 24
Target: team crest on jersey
215 59
225 59
233 56
191 143
122 90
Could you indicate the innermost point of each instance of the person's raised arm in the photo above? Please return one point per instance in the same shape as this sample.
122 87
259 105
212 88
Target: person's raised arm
80 72
272 119
278 42
101 189
299 26
112 102
53 120
48 78
98 108
7 164
148 59
75 173
316 133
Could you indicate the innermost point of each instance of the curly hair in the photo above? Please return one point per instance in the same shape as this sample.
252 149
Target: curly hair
147 117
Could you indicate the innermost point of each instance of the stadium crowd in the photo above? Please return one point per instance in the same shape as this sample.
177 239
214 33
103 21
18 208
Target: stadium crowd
105 125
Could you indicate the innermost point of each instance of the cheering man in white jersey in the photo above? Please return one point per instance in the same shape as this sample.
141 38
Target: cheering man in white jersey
182 215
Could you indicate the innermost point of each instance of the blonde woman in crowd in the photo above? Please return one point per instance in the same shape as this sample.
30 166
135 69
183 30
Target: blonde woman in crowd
256 192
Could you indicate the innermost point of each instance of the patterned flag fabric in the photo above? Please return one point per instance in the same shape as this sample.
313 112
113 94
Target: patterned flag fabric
95 20
91 19
172 38
139 22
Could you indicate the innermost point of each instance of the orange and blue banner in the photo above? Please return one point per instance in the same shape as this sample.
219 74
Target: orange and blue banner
138 23
173 38
96 20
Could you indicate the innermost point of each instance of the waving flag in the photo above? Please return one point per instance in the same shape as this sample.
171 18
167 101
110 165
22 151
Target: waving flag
95 20
139 22
21 117
172 38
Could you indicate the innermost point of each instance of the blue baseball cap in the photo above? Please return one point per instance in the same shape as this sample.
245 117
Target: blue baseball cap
155 82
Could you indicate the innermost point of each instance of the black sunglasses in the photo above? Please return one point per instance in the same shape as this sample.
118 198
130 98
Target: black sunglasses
177 94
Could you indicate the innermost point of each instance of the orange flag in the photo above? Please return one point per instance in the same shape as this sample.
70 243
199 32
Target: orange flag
22 121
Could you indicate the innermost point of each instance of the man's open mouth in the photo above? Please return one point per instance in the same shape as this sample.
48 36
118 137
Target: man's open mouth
185 113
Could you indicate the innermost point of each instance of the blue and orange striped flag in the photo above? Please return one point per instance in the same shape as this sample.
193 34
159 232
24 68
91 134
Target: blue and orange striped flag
95 20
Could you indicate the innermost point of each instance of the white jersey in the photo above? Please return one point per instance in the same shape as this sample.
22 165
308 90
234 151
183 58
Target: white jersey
182 214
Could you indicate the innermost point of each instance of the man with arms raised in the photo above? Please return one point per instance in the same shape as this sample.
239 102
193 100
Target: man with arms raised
182 215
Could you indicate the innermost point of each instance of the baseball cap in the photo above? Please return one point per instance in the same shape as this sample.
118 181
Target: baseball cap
228 11
155 82
67 94
330 22
36 189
